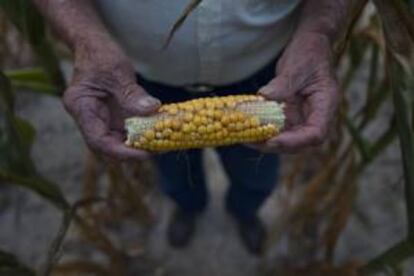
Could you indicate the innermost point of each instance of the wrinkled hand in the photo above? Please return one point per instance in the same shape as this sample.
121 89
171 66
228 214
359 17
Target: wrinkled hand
103 92
305 81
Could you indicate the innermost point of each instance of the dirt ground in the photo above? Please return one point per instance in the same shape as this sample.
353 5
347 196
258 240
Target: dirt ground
28 224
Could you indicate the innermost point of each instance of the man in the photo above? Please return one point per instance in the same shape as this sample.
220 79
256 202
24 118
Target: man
280 48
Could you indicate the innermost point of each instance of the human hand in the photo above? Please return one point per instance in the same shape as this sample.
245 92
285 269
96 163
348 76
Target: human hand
306 83
103 92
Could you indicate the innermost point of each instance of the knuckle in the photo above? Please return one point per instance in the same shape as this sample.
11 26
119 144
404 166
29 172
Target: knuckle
106 80
102 147
92 141
98 145
69 100
317 137
130 92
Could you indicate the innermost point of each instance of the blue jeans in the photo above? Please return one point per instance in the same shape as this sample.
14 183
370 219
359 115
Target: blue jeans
253 175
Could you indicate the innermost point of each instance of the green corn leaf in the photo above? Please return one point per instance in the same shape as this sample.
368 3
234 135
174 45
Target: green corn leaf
406 134
6 94
373 104
14 145
373 70
16 164
357 47
36 87
361 143
38 184
356 8
28 74
26 18
384 140
398 25
33 79
26 130
389 258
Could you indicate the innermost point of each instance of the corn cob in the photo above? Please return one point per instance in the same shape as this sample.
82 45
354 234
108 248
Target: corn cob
206 122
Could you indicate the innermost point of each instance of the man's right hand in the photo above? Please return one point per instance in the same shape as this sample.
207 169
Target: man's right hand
103 92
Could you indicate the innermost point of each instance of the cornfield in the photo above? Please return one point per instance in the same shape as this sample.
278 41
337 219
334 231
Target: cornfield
317 196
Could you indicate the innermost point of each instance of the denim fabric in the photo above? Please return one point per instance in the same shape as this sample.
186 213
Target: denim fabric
253 175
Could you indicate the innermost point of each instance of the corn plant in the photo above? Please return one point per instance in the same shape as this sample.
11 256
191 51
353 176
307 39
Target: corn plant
321 201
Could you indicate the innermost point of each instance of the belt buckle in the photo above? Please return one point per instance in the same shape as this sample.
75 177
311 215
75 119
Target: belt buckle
199 88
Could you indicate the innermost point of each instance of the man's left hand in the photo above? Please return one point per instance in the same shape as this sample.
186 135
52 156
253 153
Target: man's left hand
306 83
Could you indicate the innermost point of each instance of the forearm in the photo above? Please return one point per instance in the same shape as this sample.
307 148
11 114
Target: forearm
76 22
324 17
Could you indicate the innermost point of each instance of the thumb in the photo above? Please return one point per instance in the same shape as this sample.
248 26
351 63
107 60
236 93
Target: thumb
278 89
135 101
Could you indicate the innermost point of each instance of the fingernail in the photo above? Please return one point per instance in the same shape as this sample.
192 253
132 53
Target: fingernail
266 91
148 101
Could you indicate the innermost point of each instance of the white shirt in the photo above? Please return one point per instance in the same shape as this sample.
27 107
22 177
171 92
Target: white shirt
221 42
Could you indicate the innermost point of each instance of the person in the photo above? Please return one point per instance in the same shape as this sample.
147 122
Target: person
278 48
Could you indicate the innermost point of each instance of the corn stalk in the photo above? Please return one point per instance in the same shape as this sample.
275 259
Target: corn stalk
328 195
398 25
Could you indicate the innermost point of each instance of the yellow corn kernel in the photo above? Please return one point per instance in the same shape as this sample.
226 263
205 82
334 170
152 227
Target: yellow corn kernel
175 124
225 120
254 122
137 144
233 117
167 132
231 126
210 104
219 104
186 128
142 140
198 105
217 126
188 107
159 125
167 123
218 114
204 120
149 134
171 109
239 116
231 104
188 117
239 126
210 113
202 129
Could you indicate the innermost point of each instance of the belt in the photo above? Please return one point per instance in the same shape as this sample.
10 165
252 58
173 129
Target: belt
199 88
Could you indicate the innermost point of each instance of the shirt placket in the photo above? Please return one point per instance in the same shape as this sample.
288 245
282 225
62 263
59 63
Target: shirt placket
209 20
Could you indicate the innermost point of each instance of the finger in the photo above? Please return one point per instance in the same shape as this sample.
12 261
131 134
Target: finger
322 105
259 147
271 148
116 149
135 101
100 139
296 139
279 89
